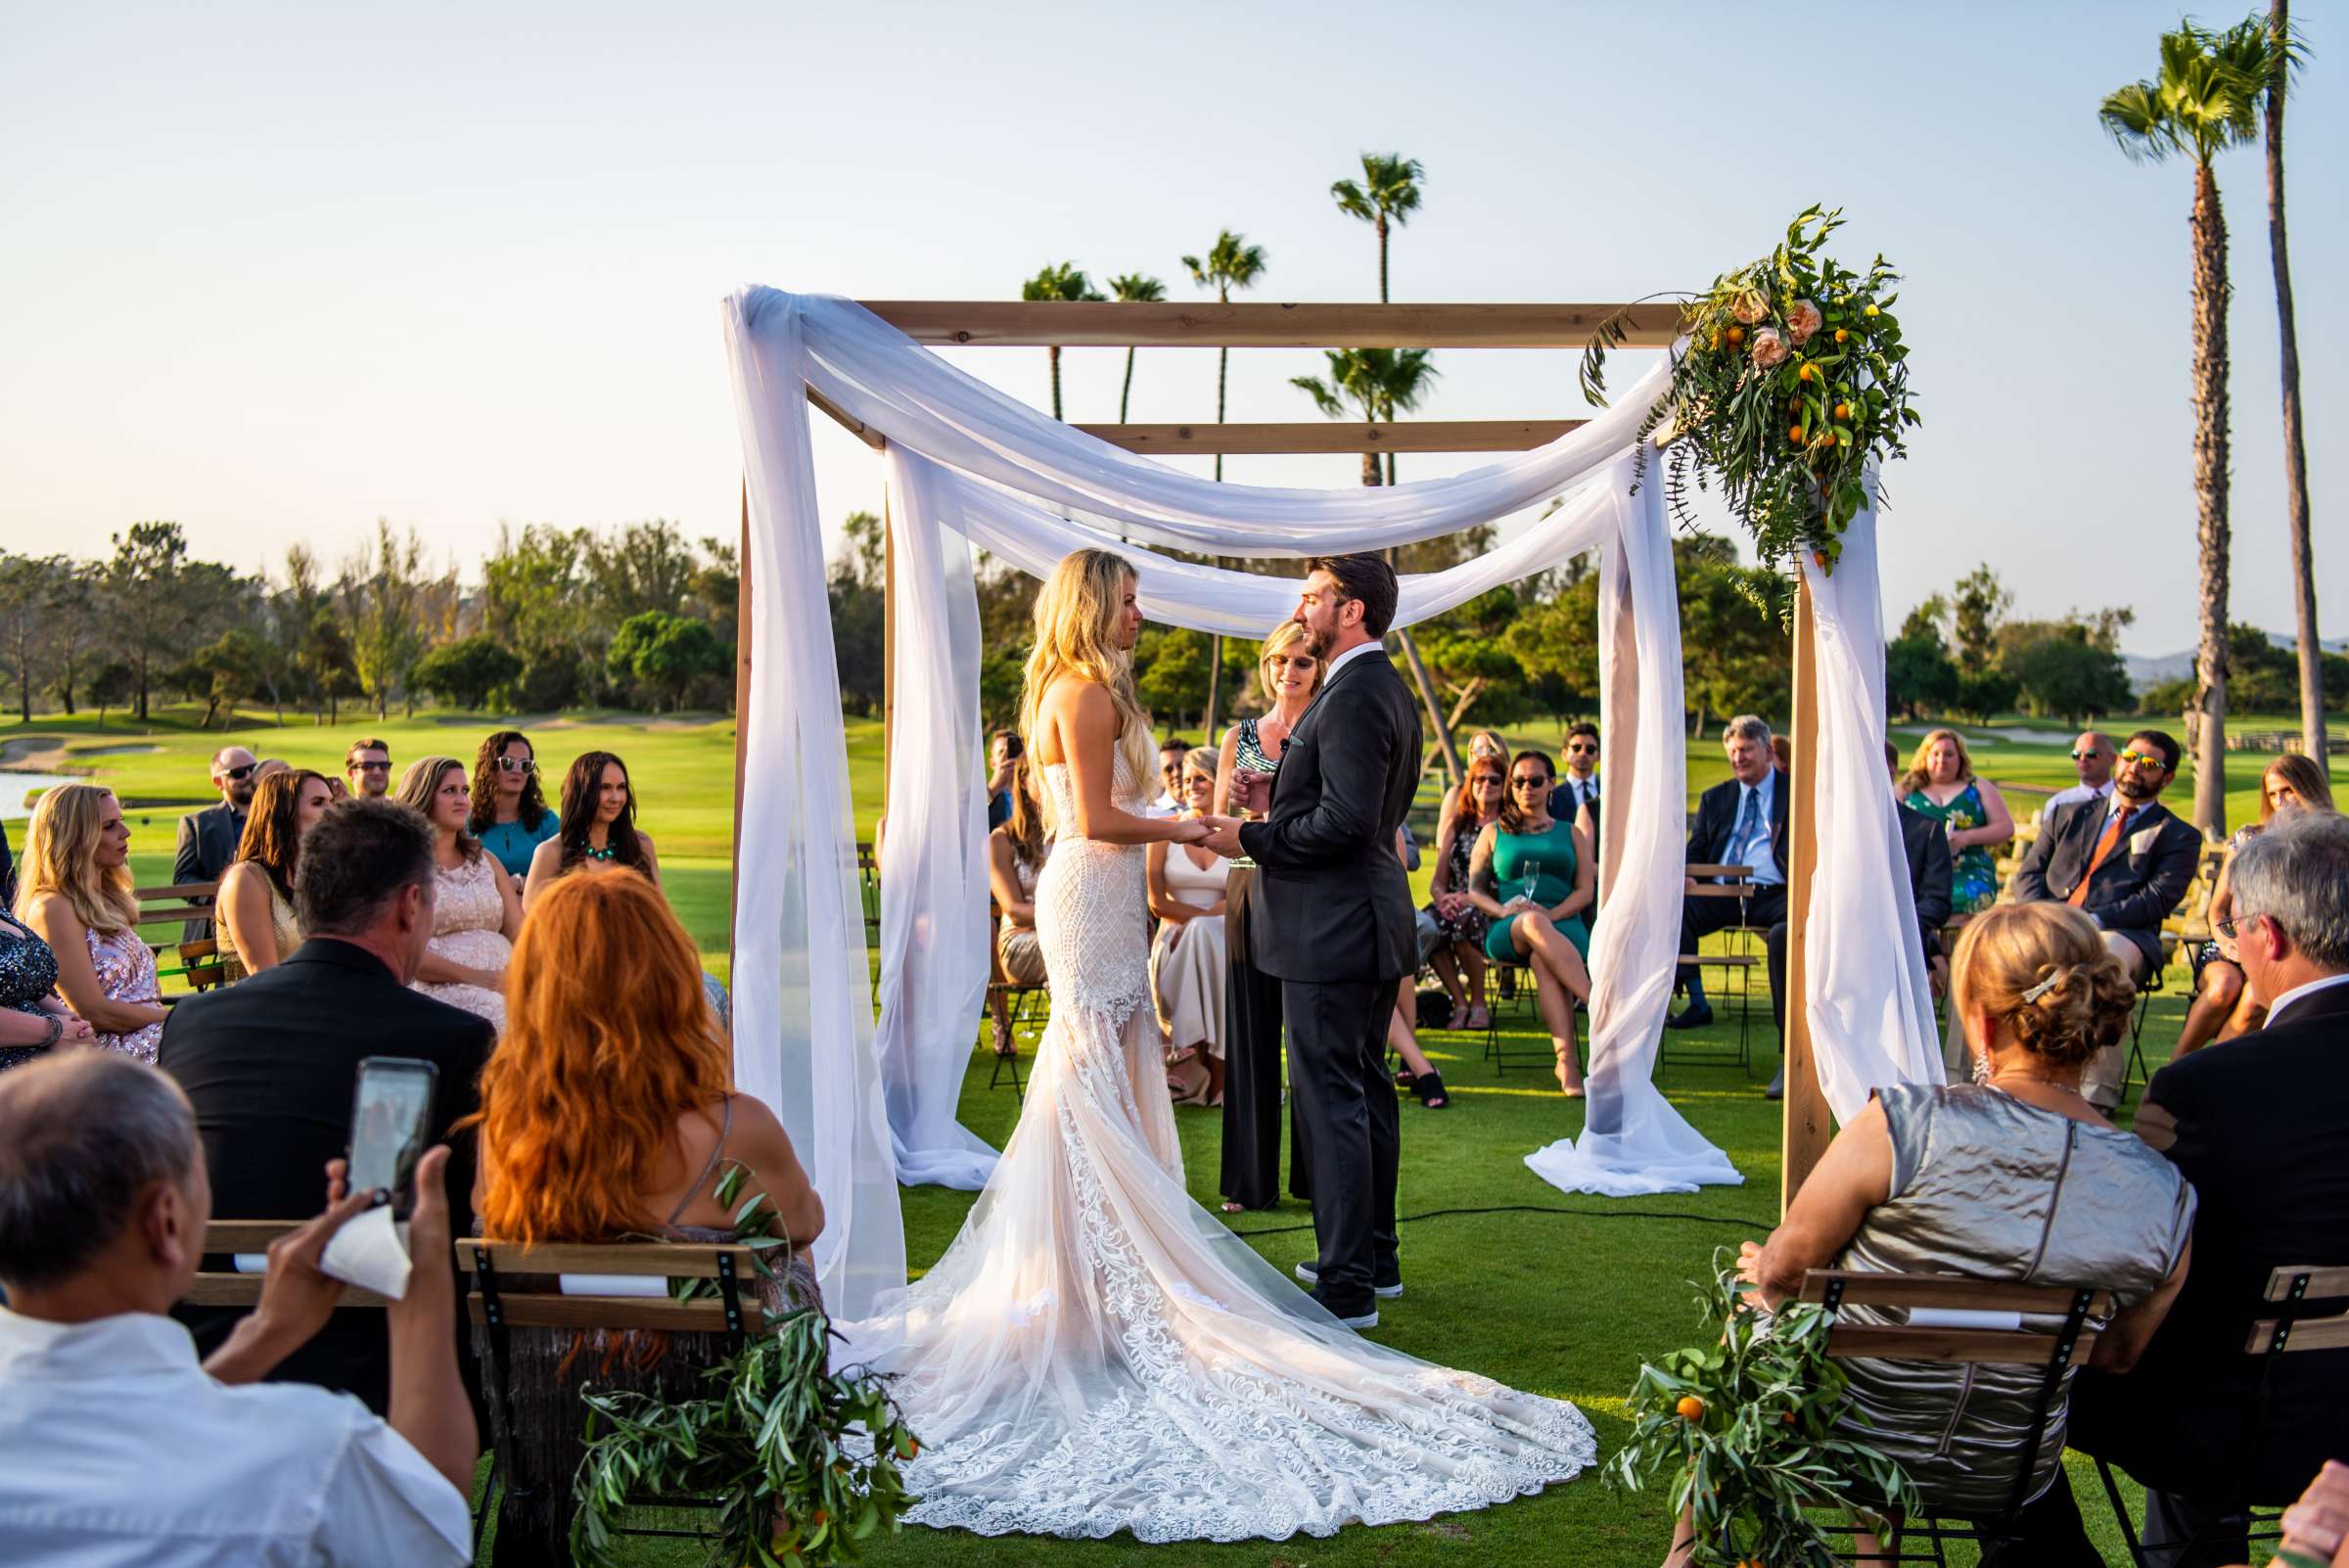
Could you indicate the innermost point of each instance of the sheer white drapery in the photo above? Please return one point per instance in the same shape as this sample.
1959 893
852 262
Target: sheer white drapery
1872 1010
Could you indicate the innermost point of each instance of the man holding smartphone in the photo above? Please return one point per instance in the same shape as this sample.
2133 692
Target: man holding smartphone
104 1199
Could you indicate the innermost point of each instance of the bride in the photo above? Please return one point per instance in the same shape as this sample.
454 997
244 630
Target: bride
1095 1352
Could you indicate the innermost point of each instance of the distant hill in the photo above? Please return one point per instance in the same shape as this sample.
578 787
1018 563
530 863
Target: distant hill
2152 669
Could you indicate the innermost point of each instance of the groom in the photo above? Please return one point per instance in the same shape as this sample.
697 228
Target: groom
1336 924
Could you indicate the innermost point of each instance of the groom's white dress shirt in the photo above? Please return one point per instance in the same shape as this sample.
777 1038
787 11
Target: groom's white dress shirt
1349 657
118 1451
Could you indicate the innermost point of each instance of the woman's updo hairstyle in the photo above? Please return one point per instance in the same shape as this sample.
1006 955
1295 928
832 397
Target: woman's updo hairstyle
2041 973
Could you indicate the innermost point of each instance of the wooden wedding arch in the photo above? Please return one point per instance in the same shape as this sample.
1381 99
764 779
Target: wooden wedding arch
1026 323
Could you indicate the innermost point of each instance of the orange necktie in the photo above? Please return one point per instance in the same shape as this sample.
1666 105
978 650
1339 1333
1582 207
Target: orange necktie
2104 847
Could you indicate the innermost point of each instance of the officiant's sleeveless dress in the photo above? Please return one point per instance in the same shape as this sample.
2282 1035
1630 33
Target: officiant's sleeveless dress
1096 1353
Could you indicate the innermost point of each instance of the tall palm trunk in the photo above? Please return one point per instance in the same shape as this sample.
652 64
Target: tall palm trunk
2295 448
2209 228
1126 392
1052 355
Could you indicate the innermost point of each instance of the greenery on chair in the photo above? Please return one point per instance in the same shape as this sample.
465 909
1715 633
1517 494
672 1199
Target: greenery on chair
1746 1428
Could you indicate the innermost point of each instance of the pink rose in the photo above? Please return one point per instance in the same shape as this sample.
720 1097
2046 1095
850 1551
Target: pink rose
1770 350
1802 321
1750 307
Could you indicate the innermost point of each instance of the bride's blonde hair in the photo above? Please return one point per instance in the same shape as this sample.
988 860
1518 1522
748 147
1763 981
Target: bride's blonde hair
1077 613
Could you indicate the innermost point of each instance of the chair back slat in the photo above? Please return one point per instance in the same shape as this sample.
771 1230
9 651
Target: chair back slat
1957 1346
671 1259
1738 871
246 1236
245 1290
607 1311
1863 1288
2321 1282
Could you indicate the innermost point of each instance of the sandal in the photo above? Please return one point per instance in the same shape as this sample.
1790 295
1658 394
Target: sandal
1430 1089
1478 1016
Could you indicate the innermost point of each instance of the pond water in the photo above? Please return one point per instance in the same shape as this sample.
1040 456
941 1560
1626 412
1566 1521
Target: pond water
15 787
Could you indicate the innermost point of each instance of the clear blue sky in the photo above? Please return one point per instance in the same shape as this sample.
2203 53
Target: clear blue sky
278 270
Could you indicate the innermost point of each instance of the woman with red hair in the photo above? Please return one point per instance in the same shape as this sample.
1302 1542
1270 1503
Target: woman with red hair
609 1113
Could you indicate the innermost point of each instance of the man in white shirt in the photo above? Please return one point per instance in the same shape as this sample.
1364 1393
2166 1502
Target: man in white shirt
1170 752
1578 781
1740 822
2093 757
117 1447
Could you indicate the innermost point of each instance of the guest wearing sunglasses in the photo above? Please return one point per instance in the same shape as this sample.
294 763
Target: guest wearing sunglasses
2092 759
208 839
1533 874
1578 785
367 766
510 817
2125 863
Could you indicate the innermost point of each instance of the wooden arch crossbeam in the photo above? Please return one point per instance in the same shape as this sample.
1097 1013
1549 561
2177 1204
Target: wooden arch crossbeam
1117 324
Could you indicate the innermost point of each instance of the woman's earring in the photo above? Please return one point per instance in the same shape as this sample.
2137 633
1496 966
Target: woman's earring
1981 1068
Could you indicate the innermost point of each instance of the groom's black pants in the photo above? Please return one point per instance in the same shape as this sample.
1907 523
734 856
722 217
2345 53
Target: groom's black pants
1338 1075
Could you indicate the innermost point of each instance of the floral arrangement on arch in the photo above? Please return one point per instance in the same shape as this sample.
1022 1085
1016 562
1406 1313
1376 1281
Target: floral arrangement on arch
1792 377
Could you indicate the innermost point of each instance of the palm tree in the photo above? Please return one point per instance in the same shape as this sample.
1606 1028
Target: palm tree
2282 53
1376 384
1062 282
2199 105
1388 195
1231 263
1133 289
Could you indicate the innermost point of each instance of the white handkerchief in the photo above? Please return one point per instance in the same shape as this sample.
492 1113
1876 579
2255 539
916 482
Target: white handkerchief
2141 840
370 1252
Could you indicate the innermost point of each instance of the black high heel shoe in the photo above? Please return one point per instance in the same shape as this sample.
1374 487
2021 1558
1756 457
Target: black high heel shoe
1429 1086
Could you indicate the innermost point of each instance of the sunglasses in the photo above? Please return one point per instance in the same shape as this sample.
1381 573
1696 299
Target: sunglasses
238 773
513 765
2082 757
2133 757
2232 925
1529 783
1490 781
373 767
1582 750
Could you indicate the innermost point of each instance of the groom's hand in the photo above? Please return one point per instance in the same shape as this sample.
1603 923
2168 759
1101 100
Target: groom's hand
1250 789
1224 836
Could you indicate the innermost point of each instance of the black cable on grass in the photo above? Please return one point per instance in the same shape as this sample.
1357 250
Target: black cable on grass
1763 1226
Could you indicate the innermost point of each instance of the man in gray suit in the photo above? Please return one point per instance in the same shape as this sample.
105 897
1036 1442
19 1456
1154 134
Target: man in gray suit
1335 922
208 838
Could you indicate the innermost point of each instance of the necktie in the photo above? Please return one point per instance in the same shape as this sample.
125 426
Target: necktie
2105 847
1742 840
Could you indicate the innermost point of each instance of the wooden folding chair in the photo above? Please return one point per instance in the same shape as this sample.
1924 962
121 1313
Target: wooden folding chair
2270 1339
1723 882
197 959
1009 1006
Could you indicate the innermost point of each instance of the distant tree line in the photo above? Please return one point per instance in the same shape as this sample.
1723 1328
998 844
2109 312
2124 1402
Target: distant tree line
635 616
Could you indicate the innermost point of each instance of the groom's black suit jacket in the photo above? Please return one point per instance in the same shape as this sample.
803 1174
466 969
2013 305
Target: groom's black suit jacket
1333 902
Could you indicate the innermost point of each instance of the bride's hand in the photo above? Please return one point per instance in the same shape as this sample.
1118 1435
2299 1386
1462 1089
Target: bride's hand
1191 830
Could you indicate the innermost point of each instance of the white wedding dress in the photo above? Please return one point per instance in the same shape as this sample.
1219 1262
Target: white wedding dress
1097 1353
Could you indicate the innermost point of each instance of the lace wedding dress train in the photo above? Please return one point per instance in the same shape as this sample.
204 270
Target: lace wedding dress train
1097 1353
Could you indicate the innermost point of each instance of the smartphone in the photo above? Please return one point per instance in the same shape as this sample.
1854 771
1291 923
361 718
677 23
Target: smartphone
390 1112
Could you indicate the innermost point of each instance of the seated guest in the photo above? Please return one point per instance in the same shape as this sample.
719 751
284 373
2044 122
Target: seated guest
208 839
598 831
2222 1008
476 910
510 817
2091 760
2125 864
1003 749
1457 954
1169 799
1484 745
367 768
1015 857
609 1113
1740 822
1940 783
2012 1178
76 894
258 927
1926 849
117 1445
2261 1128
271 1064
1187 956
1534 877
33 1019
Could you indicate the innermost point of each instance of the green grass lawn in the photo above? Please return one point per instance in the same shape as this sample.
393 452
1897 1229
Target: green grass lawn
1507 1276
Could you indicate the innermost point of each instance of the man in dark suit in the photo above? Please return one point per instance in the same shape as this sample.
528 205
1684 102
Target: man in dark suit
271 1063
1335 924
208 838
1578 781
2125 863
1925 847
1740 822
2261 1128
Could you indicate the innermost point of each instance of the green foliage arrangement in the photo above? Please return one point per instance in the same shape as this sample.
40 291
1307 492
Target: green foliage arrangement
1792 379
1746 1428
804 1459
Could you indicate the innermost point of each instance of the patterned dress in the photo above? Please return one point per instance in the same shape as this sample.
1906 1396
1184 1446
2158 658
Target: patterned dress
468 918
1973 874
126 974
1468 926
28 973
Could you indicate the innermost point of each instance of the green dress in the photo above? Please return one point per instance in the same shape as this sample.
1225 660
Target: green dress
1513 855
1973 874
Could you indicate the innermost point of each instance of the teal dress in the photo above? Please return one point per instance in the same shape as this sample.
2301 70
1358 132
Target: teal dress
1512 852
513 844
1973 874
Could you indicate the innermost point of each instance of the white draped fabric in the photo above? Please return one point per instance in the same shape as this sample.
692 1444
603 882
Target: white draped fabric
1872 1010
969 465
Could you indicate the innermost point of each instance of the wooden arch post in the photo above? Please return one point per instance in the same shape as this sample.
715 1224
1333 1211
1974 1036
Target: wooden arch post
1117 324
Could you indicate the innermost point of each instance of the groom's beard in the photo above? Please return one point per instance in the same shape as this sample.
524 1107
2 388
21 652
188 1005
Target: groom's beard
1317 643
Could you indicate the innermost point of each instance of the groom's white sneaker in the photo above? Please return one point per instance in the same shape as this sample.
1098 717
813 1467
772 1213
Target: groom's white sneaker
1312 1277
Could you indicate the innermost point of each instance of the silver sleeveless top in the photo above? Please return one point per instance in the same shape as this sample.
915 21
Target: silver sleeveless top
1986 1186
